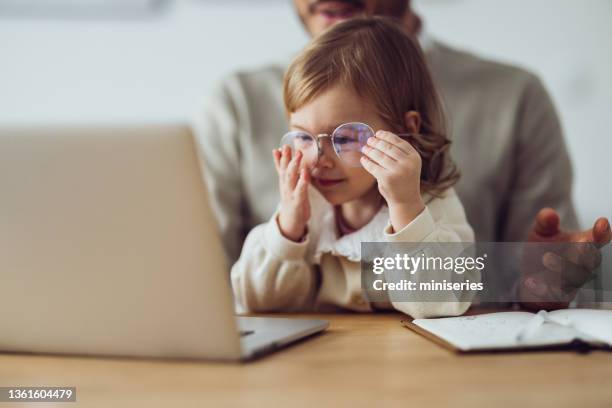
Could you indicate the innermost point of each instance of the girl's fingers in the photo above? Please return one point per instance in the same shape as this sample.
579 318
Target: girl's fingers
388 148
394 139
301 188
293 170
285 157
372 167
276 153
380 158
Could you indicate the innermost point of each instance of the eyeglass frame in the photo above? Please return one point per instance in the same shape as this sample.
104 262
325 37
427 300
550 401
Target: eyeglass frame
331 136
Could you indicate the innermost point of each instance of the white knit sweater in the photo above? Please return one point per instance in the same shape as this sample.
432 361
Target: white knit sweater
323 272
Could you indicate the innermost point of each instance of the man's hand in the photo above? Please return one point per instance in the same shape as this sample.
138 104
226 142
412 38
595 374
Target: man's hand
552 280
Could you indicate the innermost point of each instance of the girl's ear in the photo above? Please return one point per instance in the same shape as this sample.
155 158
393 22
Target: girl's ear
412 121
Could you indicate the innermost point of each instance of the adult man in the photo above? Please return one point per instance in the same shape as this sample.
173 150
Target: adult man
507 142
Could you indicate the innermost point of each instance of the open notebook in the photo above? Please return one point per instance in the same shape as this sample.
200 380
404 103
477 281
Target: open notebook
519 330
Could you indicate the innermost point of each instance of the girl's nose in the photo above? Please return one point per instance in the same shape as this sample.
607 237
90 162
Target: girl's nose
328 155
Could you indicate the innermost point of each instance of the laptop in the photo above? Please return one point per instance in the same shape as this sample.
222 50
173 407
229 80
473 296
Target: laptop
108 246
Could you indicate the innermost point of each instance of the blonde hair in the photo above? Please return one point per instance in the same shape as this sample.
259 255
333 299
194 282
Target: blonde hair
377 59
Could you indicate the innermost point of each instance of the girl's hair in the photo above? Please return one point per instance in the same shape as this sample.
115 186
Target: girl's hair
377 59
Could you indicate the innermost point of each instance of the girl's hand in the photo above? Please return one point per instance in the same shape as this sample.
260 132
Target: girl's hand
396 165
294 210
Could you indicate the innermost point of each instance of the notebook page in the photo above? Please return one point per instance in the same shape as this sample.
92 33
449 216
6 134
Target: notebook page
593 322
495 331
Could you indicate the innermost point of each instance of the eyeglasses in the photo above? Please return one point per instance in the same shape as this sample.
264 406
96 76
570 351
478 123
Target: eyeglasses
347 140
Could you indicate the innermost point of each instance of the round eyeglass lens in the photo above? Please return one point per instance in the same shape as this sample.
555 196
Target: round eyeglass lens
348 139
304 142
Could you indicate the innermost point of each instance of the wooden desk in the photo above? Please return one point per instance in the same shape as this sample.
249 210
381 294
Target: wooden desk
362 360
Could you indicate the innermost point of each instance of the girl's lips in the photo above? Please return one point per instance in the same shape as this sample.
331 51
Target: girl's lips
328 182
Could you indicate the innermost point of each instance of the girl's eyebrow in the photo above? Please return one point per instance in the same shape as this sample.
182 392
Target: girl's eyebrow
329 128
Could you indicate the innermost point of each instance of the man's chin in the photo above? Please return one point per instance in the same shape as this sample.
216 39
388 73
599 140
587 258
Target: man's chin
321 24
330 21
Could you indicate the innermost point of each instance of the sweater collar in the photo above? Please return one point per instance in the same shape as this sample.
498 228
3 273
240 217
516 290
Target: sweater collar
349 245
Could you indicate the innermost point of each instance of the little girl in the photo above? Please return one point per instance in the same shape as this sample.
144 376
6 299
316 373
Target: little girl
367 133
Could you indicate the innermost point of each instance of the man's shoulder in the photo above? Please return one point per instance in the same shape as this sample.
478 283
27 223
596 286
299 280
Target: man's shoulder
265 78
454 64
247 91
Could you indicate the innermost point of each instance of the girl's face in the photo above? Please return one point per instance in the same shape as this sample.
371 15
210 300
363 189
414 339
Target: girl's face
337 181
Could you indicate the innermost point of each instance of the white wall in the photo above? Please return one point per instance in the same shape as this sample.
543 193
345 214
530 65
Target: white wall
160 68
135 69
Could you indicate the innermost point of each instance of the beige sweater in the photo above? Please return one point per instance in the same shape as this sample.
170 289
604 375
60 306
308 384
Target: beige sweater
507 142
323 272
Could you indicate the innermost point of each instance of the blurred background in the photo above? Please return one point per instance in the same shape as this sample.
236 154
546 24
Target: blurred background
110 61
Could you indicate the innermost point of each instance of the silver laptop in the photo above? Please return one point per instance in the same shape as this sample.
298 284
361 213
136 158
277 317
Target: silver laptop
108 246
